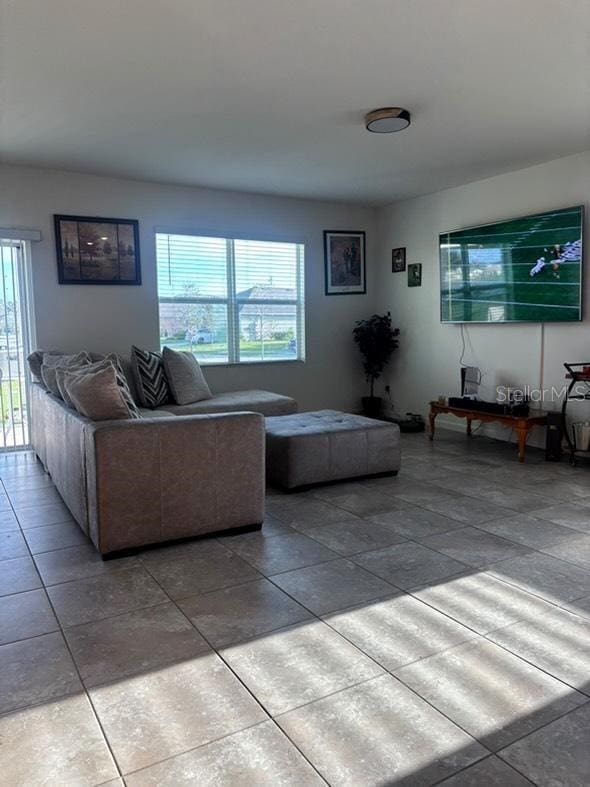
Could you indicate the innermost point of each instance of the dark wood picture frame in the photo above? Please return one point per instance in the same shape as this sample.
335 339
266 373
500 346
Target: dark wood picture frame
344 262
97 250
398 260
415 274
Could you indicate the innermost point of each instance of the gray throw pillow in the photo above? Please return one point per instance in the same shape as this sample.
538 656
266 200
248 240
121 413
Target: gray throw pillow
185 377
60 374
122 362
35 359
97 395
52 362
109 360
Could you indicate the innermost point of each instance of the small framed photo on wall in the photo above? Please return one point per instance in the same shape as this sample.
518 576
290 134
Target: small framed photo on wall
398 260
415 274
97 251
344 261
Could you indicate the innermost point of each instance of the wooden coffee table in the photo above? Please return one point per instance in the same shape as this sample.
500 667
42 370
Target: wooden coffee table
521 424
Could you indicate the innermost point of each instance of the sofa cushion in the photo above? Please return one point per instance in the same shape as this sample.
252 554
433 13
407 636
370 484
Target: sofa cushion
52 362
127 367
185 377
150 378
263 402
97 395
159 413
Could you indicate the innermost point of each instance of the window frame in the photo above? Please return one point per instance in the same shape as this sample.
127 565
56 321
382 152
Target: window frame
231 301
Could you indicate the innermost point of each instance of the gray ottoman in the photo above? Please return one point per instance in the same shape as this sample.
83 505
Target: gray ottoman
326 445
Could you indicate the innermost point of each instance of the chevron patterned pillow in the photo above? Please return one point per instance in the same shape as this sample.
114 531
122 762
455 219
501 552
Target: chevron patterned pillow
150 378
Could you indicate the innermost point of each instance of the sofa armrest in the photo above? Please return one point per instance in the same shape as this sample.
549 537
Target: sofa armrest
153 480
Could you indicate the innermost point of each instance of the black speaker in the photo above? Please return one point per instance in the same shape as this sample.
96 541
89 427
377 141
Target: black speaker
554 437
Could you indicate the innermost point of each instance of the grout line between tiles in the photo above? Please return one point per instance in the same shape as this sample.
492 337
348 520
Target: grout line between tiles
237 677
478 635
71 655
204 745
438 710
440 782
387 672
314 616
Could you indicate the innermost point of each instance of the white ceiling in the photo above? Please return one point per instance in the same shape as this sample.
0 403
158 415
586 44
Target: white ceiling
269 95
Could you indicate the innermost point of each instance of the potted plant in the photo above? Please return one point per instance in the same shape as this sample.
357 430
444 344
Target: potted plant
376 340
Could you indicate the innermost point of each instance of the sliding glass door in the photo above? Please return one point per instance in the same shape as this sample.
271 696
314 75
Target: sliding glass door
15 340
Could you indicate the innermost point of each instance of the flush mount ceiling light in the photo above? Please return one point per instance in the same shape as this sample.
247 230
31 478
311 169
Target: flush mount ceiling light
387 120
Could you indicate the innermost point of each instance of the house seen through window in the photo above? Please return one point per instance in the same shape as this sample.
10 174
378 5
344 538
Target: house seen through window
231 300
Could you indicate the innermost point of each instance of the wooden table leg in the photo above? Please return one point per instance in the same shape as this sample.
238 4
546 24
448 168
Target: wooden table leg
522 433
468 427
431 419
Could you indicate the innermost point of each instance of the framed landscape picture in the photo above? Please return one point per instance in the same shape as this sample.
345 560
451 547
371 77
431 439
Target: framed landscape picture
398 260
97 250
344 260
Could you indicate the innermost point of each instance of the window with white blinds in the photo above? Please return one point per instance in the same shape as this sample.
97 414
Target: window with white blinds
231 300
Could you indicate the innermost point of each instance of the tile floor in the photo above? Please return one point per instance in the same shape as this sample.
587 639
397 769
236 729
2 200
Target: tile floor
432 628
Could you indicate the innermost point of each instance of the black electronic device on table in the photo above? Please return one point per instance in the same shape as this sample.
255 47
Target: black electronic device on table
466 403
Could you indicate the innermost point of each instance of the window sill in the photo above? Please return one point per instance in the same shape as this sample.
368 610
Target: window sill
251 363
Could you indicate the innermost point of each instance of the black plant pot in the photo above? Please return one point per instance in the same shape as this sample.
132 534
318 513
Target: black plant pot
372 406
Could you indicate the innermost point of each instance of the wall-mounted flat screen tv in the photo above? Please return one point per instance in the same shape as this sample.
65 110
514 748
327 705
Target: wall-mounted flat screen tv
520 270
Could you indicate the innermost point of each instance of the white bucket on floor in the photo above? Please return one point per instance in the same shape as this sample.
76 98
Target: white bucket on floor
582 435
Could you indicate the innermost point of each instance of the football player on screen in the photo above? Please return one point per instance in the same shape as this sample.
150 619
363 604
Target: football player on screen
569 252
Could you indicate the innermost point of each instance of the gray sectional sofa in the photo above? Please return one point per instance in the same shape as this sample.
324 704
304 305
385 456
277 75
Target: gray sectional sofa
178 472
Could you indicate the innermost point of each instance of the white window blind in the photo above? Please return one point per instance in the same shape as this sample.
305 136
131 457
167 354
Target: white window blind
231 300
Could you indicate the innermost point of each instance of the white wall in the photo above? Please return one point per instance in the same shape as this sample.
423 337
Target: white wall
427 363
113 318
